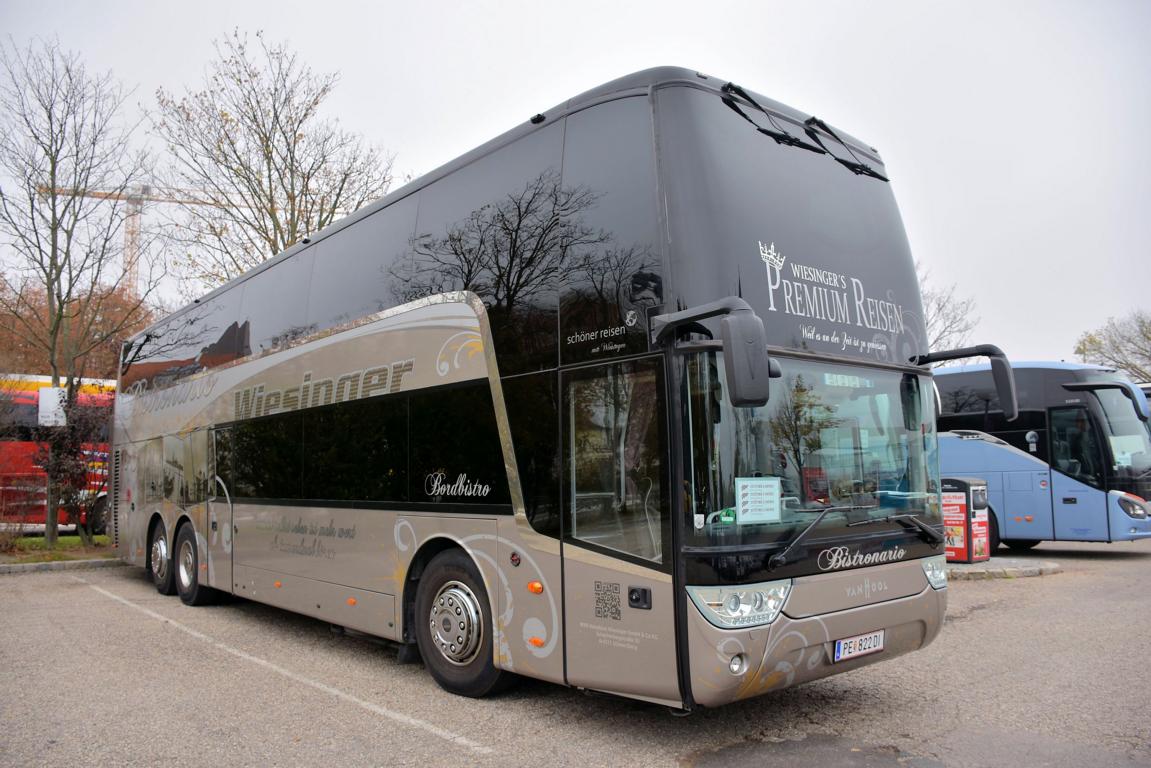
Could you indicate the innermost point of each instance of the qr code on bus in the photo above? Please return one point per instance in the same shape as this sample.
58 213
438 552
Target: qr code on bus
607 600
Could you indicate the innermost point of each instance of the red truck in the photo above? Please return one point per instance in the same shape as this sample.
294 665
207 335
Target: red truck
23 481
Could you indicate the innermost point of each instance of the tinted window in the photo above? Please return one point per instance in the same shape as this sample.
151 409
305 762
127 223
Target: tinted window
221 460
351 277
1075 446
533 412
615 448
357 450
206 335
501 228
268 460
275 301
612 275
456 454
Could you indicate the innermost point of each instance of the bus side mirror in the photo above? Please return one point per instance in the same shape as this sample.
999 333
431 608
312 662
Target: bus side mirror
745 358
1000 371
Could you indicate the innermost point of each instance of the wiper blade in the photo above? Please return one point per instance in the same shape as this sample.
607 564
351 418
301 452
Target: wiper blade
776 131
855 165
780 558
933 537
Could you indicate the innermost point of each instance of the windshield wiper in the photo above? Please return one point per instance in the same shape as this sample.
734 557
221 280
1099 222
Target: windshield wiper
855 165
776 131
780 558
933 537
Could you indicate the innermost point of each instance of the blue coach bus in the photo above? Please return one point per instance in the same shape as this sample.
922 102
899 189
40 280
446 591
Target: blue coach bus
1074 466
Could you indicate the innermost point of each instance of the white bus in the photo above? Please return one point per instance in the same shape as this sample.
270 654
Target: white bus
517 414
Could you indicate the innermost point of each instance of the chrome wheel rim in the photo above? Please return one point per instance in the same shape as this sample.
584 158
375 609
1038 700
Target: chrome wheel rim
456 622
159 556
187 569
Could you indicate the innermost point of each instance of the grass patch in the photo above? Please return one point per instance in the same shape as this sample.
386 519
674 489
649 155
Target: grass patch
31 549
63 544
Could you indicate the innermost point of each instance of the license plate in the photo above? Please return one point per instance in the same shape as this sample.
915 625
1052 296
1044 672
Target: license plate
860 645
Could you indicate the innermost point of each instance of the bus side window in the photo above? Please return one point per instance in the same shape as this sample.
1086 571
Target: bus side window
1074 445
196 467
153 474
220 461
614 445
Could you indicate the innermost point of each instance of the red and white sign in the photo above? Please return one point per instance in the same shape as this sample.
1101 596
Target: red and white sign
955 525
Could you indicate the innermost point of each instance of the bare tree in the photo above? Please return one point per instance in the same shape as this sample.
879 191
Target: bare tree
950 318
258 166
1124 343
66 163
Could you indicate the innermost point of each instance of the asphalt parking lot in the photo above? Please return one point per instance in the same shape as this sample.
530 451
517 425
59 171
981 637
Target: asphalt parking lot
98 669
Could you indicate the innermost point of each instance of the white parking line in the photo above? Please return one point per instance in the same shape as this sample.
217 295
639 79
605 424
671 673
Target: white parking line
398 717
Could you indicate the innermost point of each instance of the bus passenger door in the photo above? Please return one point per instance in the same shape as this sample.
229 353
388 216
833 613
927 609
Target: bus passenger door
219 533
618 595
1077 475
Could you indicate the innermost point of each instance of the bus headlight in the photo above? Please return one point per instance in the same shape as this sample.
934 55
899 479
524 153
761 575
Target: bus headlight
935 568
1133 506
744 605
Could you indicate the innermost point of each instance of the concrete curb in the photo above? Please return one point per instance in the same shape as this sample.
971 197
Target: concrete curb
61 565
1001 568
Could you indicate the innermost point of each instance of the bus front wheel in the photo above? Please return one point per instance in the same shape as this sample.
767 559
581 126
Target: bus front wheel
1020 545
454 626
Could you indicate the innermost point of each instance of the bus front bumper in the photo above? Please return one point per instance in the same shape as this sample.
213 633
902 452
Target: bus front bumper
790 651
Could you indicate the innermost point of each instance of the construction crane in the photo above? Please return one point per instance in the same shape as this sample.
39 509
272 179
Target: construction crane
134 199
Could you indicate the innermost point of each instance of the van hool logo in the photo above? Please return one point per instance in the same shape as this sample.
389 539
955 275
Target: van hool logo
835 558
437 484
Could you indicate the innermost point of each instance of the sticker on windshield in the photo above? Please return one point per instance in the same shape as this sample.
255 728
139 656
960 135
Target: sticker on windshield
757 500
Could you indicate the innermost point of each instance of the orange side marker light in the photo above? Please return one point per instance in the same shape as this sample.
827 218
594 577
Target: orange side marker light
538 642
1029 518
277 584
351 601
536 587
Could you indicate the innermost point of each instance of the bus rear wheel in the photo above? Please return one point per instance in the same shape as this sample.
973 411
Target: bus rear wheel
188 585
160 566
454 626
1020 545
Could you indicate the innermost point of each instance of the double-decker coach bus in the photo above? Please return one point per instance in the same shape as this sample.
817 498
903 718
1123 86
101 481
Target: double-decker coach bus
1075 465
517 413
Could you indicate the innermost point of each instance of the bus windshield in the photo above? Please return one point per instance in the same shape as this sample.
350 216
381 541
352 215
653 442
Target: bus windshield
1129 440
859 440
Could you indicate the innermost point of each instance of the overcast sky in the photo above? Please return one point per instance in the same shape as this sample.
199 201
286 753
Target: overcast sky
1013 132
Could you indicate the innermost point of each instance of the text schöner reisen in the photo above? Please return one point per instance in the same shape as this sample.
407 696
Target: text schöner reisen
597 335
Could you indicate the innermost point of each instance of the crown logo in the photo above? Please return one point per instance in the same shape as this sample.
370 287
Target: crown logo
770 256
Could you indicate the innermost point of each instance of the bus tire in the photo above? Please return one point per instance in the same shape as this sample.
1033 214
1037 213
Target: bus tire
993 540
454 626
97 517
187 569
1020 545
160 566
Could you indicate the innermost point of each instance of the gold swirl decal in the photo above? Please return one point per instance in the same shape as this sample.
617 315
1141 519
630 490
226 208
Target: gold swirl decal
466 343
